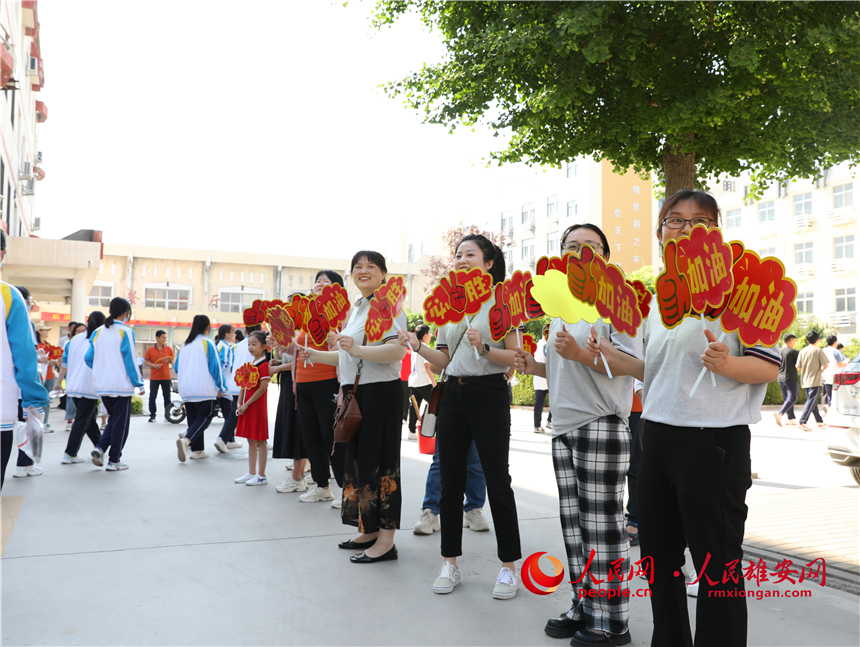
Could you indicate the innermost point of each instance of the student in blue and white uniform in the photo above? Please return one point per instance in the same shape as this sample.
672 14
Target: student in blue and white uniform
695 465
224 343
201 383
19 375
115 376
80 390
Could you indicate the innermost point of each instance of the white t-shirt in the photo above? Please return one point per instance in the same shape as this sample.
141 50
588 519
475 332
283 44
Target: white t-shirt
540 355
833 356
418 377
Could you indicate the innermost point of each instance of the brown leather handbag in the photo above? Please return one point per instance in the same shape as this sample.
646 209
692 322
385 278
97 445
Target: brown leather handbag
347 417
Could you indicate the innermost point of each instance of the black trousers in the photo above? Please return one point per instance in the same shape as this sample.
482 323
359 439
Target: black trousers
200 414
635 423
153 395
5 453
116 432
316 406
228 410
692 490
404 385
540 399
421 393
476 410
85 423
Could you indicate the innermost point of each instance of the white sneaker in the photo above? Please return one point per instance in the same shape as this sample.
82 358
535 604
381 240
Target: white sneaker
182 447
68 425
474 520
32 470
412 435
68 460
269 447
195 455
182 434
257 480
778 418
116 467
538 430
317 494
427 523
549 425
221 446
307 466
98 456
449 577
48 429
291 485
244 479
234 445
337 503
506 585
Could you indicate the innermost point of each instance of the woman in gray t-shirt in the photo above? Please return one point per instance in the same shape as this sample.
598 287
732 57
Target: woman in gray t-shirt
695 465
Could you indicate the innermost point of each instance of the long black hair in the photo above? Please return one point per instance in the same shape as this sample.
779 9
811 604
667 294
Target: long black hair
96 319
333 276
198 327
586 225
118 308
491 252
223 331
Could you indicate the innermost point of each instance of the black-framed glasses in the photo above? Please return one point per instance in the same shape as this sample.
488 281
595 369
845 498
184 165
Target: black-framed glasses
575 247
678 223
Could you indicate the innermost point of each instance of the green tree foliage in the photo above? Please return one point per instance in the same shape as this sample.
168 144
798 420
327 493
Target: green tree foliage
684 89
647 274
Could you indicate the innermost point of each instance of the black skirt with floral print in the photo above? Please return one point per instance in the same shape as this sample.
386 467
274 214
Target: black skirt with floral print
372 494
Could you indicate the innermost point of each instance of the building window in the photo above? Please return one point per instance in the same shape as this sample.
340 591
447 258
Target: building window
101 268
766 211
846 299
143 271
552 246
552 207
410 255
100 296
167 273
190 274
572 169
155 271
572 208
507 220
529 212
843 247
843 195
733 218
113 269
220 276
178 273
803 204
804 302
803 253
237 301
261 278
242 280
144 338
529 248
301 281
291 280
232 280
509 258
251 277
767 251
167 299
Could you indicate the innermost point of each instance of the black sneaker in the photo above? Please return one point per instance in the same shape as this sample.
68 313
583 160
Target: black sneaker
563 627
586 638
152 418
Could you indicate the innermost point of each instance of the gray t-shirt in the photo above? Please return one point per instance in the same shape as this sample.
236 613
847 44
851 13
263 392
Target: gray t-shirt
464 361
580 395
673 361
371 372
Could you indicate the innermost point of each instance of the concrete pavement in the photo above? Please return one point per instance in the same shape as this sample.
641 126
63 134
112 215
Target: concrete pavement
176 554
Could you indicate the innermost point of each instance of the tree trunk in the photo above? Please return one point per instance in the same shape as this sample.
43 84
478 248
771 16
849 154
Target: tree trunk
679 169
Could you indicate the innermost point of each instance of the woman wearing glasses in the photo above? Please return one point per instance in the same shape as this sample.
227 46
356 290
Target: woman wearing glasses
591 453
695 465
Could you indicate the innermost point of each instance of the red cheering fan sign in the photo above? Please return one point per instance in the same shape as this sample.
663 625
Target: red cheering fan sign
460 294
281 326
53 352
258 312
529 344
247 376
386 304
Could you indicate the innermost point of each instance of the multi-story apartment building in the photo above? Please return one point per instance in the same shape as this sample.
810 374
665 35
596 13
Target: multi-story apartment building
812 227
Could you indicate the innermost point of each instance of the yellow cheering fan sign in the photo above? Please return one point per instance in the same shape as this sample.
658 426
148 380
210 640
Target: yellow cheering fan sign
552 293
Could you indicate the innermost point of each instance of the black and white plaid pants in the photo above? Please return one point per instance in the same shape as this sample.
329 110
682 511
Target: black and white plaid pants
591 464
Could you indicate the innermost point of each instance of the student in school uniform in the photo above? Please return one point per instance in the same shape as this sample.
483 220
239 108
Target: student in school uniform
225 341
201 383
115 377
695 465
372 492
475 407
80 390
591 448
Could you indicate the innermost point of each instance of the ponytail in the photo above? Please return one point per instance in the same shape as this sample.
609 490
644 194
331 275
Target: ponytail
95 320
223 331
198 327
119 307
491 252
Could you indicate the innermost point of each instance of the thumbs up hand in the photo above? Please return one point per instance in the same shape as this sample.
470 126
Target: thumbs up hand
579 278
716 354
673 293
318 325
500 315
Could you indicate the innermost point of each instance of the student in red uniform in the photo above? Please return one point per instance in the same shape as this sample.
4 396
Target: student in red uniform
253 417
159 358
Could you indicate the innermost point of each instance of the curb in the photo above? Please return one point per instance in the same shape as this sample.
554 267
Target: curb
837 578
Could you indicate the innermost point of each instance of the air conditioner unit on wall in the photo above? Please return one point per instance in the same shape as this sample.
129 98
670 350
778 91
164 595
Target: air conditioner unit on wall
37 224
39 158
26 171
29 187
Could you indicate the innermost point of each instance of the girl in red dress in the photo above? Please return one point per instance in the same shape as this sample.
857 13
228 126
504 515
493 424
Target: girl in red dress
253 421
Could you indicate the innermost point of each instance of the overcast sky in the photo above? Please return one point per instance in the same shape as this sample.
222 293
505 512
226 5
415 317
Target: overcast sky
243 126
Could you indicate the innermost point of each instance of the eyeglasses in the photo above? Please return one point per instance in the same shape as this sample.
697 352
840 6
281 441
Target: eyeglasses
678 223
575 247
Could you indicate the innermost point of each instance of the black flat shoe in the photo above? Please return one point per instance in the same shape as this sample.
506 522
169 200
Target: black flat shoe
585 638
356 545
563 627
365 559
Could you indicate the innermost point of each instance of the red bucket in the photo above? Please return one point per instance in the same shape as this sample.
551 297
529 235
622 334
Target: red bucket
425 445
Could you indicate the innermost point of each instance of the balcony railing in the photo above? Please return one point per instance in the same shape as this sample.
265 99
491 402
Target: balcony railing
843 266
840 319
802 222
804 270
842 216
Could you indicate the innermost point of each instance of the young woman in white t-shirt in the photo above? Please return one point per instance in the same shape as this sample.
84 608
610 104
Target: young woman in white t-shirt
421 379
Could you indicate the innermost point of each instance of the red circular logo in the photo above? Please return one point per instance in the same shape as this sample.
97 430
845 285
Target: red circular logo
533 577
